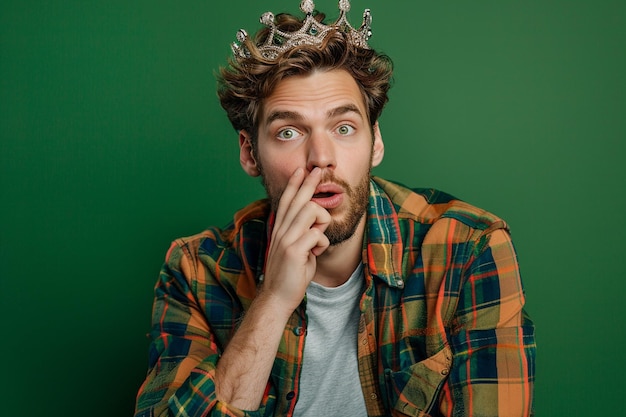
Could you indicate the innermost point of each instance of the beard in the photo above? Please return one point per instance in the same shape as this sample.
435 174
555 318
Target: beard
339 230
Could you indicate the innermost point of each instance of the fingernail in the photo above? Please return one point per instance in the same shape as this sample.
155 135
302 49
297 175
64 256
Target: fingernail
316 170
297 172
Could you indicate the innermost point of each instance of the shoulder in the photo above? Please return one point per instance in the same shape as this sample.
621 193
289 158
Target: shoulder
429 207
429 218
243 235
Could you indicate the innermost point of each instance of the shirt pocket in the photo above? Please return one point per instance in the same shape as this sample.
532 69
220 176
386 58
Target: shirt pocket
414 391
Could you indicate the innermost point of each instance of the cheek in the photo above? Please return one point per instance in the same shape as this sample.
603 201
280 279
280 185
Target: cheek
358 163
276 174
280 170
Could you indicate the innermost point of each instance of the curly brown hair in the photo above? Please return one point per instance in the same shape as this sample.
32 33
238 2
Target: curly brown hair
242 85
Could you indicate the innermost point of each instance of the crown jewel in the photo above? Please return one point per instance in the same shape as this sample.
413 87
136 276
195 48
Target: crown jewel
311 33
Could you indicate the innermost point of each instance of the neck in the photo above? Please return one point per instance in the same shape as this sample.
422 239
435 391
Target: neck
338 262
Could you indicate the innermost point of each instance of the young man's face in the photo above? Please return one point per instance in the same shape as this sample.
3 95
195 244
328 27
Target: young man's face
318 120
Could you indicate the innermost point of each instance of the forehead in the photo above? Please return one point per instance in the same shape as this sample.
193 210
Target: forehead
319 91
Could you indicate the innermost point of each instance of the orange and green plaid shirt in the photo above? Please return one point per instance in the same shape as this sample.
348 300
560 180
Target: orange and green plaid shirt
442 330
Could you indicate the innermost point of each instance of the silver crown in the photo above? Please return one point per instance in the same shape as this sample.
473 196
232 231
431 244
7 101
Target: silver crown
311 33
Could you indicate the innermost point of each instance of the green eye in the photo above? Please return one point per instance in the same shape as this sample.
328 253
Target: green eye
345 130
287 134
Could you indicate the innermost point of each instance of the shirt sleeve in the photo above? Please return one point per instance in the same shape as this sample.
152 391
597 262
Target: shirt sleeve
492 338
183 351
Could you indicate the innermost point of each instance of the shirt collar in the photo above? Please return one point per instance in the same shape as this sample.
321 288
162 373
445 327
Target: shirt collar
383 247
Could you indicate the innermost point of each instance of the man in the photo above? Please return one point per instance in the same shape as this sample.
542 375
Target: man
341 294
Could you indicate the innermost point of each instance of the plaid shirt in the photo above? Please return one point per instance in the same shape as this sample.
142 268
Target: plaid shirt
442 330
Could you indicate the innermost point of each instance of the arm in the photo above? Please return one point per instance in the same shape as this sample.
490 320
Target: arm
493 341
297 239
187 374
183 352
185 347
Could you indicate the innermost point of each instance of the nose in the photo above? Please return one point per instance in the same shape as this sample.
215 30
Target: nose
320 151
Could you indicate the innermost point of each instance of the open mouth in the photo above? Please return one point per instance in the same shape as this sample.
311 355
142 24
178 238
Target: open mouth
329 196
323 195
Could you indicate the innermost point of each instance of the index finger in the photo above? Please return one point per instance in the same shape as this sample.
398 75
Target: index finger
298 191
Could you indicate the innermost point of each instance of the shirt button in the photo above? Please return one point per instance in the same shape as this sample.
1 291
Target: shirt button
400 283
298 331
445 371
290 395
373 396
364 341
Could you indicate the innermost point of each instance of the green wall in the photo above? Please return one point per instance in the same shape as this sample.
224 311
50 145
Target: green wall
112 144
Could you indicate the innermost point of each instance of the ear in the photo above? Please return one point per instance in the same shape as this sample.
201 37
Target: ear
378 151
246 154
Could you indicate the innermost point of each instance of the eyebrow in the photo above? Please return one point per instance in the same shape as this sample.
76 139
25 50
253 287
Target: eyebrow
283 115
348 108
291 115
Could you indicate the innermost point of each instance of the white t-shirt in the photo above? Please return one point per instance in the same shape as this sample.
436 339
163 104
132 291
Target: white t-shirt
329 383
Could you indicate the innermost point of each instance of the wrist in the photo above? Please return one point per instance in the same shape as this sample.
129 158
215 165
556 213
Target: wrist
271 303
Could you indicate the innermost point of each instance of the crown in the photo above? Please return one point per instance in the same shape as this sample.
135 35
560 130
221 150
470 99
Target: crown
312 32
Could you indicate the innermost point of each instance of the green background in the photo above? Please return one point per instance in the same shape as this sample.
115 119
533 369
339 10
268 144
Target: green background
113 144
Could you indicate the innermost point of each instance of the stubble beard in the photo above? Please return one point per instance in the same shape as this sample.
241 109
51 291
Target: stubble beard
339 230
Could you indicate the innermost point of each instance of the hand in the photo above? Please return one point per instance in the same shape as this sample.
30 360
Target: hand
297 239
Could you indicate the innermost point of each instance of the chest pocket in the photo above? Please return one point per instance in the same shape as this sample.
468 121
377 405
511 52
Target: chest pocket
414 391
